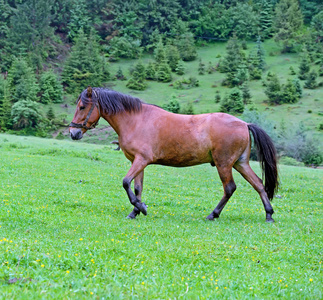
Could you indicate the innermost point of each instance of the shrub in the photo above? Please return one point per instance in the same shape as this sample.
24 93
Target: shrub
25 114
172 106
233 103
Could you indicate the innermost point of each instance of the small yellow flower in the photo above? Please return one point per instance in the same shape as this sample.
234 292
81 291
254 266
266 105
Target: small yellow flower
67 271
216 287
80 239
91 293
311 279
42 266
142 283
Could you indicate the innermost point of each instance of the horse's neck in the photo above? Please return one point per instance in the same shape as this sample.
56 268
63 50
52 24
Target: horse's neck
121 122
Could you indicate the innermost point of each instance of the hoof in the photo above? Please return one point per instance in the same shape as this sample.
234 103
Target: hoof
132 215
270 220
210 217
142 207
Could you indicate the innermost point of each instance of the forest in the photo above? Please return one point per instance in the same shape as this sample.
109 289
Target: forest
51 51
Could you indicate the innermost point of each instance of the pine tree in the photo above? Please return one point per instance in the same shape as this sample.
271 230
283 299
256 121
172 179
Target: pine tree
232 103
186 47
217 97
85 66
5 105
50 114
25 114
289 93
151 71
137 80
233 60
159 52
304 66
266 19
50 88
246 96
79 19
22 81
120 75
163 72
310 82
273 90
201 68
180 69
30 29
173 56
287 23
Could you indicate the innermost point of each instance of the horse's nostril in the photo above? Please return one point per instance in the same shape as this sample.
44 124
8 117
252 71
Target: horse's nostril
76 135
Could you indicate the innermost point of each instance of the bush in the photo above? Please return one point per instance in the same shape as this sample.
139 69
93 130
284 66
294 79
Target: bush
172 106
25 114
233 103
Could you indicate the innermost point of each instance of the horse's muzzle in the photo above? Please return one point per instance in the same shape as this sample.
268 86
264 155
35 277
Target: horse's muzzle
76 134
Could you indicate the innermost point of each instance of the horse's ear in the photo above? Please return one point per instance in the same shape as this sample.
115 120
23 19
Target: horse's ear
89 92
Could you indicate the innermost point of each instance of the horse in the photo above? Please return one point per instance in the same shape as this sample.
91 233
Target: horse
148 135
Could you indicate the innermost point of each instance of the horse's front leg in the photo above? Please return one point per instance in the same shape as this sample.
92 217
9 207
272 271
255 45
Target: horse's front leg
139 180
137 167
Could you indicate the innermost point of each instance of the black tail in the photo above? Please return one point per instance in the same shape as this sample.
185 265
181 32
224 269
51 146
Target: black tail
267 157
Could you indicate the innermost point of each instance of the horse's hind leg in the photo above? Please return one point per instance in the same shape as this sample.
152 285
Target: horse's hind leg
245 170
229 187
139 180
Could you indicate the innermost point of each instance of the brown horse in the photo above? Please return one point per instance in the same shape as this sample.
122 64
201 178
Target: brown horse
150 135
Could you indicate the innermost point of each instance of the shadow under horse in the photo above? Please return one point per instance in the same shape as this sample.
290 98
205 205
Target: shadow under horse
150 135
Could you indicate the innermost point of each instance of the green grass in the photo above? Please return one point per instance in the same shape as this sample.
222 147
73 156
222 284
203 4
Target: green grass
63 231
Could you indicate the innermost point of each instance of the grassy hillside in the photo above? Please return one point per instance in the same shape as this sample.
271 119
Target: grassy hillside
63 231
309 109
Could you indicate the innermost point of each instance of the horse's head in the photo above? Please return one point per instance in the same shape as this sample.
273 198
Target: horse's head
87 114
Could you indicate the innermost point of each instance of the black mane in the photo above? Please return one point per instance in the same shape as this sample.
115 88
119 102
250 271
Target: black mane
112 102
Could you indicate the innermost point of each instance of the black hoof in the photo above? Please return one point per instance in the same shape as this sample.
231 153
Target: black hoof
270 220
132 215
210 217
142 207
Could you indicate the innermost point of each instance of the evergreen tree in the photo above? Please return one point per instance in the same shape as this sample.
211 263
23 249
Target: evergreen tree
163 72
5 13
151 71
289 93
120 75
137 80
30 29
273 90
233 61
304 66
246 96
79 19
188 109
287 23
217 97
232 103
22 81
160 53
85 66
266 19
186 47
180 69
5 105
50 88
173 56
201 68
172 106
25 114
298 87
310 82
50 114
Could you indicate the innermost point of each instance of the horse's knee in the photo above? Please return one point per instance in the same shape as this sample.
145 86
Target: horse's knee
126 183
230 188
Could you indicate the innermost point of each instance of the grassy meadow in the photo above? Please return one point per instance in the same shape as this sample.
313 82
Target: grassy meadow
64 232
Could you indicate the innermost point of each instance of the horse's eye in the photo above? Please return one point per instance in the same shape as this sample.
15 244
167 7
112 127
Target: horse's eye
82 107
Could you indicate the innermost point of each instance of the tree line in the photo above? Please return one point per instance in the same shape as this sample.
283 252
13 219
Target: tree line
51 49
